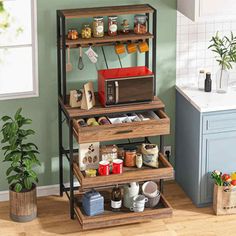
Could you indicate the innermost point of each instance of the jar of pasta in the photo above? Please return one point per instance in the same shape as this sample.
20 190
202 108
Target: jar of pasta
86 32
112 25
140 24
98 27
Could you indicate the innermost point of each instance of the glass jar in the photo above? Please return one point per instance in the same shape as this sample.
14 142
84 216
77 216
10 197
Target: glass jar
112 25
130 157
73 34
201 80
86 32
98 27
140 24
125 29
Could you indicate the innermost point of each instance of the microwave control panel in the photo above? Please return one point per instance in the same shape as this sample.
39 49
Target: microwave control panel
110 95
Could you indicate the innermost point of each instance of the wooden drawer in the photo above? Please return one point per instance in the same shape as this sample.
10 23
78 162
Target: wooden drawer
219 122
123 131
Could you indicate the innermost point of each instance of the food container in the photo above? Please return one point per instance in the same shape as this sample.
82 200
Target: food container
109 153
112 25
86 32
125 29
130 156
73 34
93 203
120 49
140 24
98 27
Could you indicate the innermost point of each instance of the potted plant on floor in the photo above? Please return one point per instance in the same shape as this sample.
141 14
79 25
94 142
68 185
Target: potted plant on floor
21 177
225 48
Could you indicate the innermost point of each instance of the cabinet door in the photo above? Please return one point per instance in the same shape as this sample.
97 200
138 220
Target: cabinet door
218 153
220 8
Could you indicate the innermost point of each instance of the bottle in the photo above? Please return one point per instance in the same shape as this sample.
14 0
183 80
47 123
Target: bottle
208 82
201 80
116 200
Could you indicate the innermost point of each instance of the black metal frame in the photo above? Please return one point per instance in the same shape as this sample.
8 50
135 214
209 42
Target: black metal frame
62 88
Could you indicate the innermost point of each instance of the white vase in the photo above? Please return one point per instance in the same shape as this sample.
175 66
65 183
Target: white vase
222 81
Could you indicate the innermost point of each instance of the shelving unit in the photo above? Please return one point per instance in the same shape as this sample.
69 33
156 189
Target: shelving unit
112 132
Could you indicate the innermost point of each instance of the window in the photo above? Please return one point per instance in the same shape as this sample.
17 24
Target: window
18 49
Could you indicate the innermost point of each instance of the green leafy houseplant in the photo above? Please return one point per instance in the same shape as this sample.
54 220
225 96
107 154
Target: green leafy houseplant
225 49
19 153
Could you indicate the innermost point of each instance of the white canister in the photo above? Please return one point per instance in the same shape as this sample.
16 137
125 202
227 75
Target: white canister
139 160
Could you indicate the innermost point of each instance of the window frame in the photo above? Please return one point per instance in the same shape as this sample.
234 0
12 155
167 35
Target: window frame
34 31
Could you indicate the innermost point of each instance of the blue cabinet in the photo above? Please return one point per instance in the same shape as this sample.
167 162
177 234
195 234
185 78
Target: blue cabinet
204 142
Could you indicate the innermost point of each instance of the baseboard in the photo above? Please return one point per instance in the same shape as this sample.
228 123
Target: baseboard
41 192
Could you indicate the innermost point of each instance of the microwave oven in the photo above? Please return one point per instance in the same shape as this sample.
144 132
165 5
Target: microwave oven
124 86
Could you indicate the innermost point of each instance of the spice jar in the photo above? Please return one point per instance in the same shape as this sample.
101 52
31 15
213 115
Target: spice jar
140 24
112 25
125 27
98 27
73 34
130 156
86 32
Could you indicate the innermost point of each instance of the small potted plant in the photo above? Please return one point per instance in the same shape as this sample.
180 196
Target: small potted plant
225 48
21 177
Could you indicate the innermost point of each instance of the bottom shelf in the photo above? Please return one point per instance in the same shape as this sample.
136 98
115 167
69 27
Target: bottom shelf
125 216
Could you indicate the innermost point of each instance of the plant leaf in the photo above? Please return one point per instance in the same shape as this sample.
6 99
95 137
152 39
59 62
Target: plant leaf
18 187
28 182
17 115
5 118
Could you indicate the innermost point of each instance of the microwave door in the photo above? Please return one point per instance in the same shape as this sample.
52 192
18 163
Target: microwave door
134 90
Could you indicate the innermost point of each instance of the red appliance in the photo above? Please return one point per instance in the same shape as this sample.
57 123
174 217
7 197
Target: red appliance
125 86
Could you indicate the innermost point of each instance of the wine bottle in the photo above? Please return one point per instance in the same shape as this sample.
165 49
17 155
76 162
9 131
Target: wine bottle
116 199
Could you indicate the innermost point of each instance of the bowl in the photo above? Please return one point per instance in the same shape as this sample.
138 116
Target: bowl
150 189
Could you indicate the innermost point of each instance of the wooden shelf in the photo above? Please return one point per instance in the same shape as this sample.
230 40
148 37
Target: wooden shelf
125 216
100 110
106 11
165 171
108 40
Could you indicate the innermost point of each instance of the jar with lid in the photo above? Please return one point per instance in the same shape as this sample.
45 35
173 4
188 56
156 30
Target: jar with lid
98 27
140 24
130 156
201 80
125 29
112 25
86 32
73 34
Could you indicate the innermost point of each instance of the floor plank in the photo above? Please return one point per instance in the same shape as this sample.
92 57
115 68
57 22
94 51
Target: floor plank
53 219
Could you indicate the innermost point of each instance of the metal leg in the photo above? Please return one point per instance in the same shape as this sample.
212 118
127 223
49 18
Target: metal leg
72 214
161 184
60 150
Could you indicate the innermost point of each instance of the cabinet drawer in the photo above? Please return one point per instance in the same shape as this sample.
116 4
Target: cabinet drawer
219 122
123 131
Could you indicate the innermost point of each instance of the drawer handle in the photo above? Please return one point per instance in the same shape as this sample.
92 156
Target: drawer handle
124 131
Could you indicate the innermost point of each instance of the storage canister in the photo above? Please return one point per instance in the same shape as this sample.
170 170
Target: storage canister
130 156
140 24
93 203
112 25
98 27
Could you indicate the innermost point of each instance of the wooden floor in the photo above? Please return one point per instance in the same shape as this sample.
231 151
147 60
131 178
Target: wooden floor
53 219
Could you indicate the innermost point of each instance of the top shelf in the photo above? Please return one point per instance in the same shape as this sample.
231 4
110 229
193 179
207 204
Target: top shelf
107 11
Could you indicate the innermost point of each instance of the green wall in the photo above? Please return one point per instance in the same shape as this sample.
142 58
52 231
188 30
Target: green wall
43 110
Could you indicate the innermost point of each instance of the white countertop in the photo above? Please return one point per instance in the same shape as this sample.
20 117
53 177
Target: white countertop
208 102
